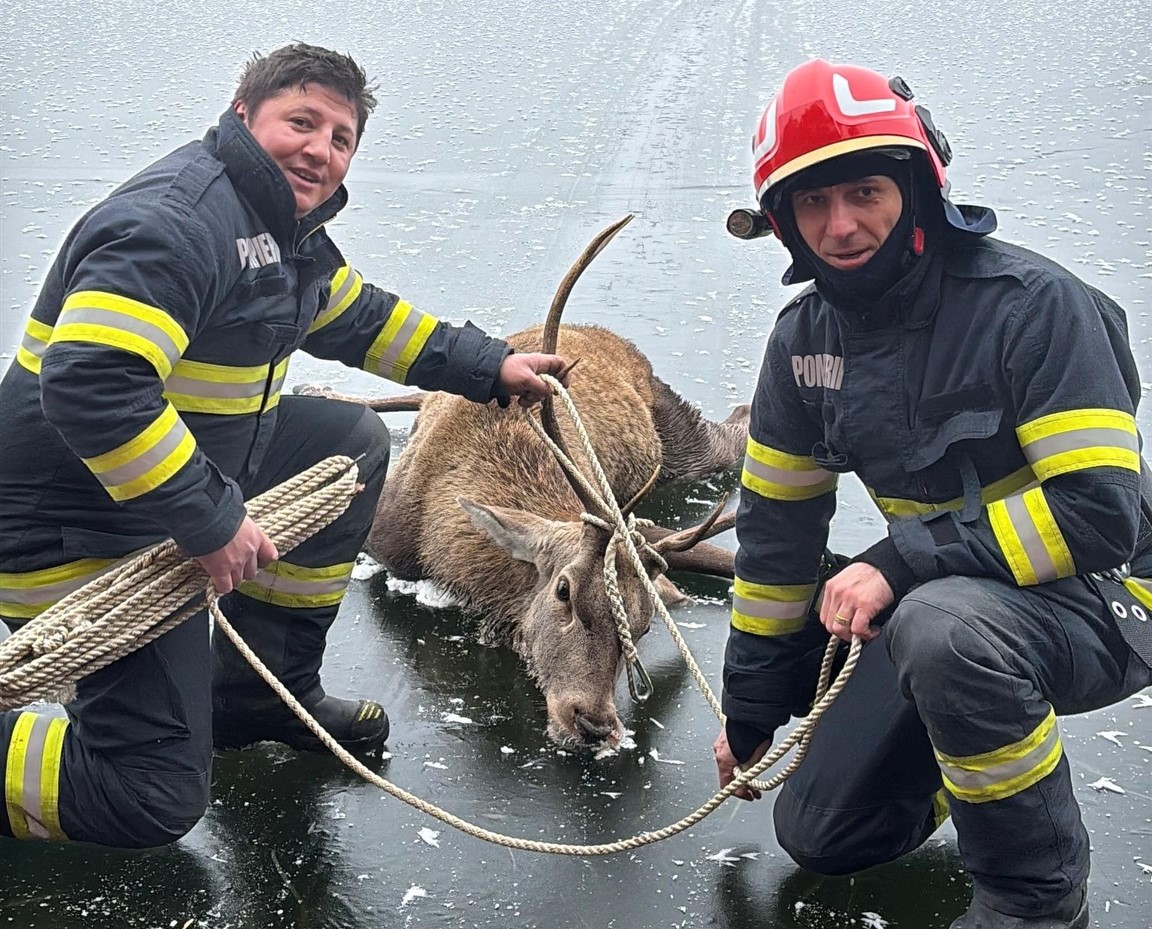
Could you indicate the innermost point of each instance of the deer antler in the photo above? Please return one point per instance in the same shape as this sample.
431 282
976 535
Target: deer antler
687 551
641 493
401 403
548 345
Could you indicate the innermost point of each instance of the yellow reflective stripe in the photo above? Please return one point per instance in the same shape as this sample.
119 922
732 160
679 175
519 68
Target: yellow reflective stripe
32 777
941 808
50 779
1030 539
1140 589
14 775
897 508
289 585
29 593
345 288
146 462
1006 771
768 609
1049 532
32 346
224 390
119 322
1079 439
779 475
399 342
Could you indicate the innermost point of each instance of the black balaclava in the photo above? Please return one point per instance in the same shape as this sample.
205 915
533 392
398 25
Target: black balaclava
896 259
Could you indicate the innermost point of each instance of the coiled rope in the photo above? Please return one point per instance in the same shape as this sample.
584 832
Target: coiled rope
147 595
155 591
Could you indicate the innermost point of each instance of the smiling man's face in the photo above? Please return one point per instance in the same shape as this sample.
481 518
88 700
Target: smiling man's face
311 135
845 224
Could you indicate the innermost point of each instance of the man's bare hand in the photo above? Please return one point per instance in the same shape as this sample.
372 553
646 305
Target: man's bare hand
520 376
238 561
726 765
852 599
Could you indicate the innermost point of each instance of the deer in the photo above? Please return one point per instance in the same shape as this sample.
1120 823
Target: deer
477 503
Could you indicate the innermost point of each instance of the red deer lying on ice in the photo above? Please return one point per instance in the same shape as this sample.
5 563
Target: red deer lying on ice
478 504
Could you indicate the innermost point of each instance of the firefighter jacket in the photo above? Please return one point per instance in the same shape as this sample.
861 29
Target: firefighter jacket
991 419
151 367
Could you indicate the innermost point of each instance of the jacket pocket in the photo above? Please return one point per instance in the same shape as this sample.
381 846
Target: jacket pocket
934 438
92 543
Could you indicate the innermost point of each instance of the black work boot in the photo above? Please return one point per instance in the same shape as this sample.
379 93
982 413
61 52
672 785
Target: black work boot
360 726
1072 913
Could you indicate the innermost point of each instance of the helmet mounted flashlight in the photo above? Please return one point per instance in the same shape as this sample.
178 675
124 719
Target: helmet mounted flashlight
748 224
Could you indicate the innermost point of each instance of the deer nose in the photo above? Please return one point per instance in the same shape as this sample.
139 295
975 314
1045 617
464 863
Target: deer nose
591 730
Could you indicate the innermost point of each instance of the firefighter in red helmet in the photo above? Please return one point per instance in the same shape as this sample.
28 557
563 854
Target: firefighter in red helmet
986 397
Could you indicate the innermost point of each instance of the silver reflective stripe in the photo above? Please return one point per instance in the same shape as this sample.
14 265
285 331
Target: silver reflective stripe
982 778
770 609
788 477
1079 439
110 319
146 461
1042 564
216 390
281 584
33 345
390 357
31 799
48 593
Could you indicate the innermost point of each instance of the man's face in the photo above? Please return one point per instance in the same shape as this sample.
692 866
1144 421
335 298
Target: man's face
844 225
311 135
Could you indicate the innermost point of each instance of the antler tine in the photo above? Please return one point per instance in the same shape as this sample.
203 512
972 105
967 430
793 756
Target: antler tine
713 525
641 493
551 335
594 248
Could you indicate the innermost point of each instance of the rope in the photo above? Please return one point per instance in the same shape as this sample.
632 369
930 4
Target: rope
497 838
144 596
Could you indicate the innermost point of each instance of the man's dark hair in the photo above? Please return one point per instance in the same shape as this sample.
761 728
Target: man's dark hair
297 66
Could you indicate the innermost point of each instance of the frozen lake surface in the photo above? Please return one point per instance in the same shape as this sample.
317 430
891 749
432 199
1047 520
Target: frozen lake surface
507 134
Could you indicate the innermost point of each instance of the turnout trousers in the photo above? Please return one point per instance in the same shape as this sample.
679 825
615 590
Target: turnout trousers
130 765
953 709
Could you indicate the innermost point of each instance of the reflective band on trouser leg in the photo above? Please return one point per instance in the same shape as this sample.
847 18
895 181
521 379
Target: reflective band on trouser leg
32 777
1006 771
299 587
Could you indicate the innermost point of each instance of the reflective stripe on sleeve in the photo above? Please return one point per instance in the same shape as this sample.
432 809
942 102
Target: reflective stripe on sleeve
399 342
32 777
766 609
32 346
781 476
1006 771
1030 539
224 390
29 593
284 584
146 462
1080 439
105 319
345 288
897 508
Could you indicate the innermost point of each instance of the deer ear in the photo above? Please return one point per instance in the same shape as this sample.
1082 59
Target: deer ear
521 534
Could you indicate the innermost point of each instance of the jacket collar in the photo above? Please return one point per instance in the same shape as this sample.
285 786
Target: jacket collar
262 184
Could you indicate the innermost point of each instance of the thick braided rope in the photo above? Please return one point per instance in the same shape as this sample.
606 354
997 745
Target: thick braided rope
145 595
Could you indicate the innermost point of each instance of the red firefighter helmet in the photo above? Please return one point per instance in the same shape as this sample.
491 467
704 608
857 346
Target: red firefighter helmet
825 110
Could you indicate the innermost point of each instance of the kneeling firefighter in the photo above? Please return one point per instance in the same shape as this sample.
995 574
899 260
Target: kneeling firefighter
986 398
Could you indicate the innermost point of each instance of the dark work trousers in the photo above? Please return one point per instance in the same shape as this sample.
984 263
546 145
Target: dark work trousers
973 668
132 767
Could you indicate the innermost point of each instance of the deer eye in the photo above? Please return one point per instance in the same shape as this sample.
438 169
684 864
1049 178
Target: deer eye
563 592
